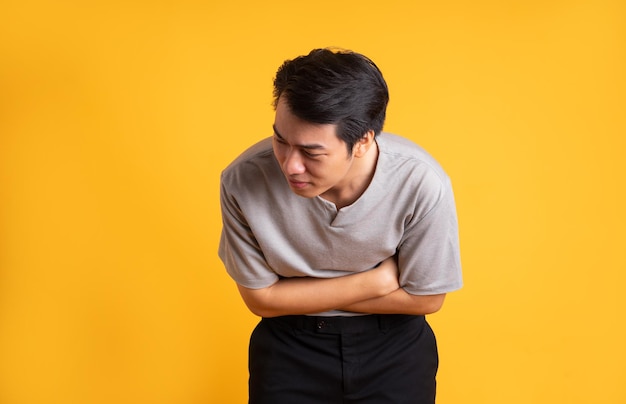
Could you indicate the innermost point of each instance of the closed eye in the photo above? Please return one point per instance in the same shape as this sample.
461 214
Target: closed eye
307 149
311 154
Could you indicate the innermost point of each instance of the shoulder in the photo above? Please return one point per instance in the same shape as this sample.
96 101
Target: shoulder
402 151
253 162
253 154
414 175
254 179
409 161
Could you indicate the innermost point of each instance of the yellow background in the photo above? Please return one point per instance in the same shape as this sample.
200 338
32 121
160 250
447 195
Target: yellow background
116 119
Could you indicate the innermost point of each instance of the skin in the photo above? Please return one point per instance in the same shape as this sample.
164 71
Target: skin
315 162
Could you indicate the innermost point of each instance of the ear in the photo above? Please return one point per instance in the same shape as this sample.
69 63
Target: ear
363 144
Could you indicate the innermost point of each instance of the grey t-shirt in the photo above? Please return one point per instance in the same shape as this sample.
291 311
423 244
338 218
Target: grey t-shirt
408 209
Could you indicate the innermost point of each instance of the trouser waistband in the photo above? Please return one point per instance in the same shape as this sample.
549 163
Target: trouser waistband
345 324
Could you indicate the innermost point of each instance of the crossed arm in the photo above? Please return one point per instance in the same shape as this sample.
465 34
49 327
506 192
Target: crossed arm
375 291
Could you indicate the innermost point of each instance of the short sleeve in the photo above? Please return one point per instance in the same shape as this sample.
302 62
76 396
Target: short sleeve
239 249
429 256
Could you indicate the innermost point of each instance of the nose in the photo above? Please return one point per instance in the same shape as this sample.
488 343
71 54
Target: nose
293 163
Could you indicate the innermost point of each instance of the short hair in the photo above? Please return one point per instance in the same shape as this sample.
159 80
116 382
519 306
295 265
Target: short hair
335 87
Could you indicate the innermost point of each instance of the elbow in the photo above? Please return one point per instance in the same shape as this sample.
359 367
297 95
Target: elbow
429 304
259 310
436 303
433 308
255 300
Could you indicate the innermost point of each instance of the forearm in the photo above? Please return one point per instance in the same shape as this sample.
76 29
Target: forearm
313 295
398 302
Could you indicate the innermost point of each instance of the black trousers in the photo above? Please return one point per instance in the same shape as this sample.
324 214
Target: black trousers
372 359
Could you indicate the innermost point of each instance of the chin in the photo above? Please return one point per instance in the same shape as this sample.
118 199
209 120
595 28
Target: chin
305 193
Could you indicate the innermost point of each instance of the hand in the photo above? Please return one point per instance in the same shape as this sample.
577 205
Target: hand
387 275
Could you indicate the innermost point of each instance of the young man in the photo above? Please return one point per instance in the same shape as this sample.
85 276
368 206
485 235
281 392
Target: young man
342 239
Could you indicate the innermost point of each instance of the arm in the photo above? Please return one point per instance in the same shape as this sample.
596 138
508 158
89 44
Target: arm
399 302
312 295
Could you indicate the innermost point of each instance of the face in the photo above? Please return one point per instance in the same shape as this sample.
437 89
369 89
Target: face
312 157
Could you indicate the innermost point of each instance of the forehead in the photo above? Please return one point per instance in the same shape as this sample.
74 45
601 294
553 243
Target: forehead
294 129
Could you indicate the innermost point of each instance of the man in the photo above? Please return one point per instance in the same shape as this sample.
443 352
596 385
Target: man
342 239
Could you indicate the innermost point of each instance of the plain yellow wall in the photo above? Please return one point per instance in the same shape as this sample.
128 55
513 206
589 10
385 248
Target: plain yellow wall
116 119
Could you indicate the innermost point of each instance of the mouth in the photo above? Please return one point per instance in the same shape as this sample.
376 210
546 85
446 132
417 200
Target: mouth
298 184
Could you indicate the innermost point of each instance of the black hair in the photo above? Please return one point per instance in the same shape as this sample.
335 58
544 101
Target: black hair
335 87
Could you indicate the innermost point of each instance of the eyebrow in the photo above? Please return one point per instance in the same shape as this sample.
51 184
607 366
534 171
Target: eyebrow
313 146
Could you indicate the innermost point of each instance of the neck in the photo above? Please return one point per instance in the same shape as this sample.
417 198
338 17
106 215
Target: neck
363 170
